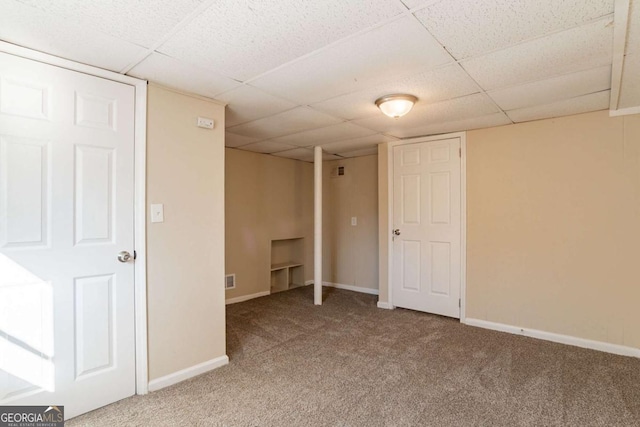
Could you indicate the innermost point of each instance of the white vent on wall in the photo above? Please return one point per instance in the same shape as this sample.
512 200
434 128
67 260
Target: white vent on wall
230 281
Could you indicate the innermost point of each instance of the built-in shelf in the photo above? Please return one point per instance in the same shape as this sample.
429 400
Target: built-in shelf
284 265
287 269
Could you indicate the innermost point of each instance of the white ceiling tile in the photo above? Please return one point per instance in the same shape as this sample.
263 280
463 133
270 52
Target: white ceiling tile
553 89
363 143
489 120
233 140
304 154
419 3
246 103
286 123
244 38
143 22
324 135
455 109
633 28
581 104
177 74
392 51
267 147
469 28
630 85
33 28
360 153
588 46
430 86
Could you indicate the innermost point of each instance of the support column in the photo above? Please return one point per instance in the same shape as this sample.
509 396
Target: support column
317 227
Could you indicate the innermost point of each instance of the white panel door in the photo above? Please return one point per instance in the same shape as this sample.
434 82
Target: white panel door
66 210
427 227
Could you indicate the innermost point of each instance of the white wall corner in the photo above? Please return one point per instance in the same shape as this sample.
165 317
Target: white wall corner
185 374
557 338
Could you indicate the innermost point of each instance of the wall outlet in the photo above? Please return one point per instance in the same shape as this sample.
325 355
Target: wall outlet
354 220
205 123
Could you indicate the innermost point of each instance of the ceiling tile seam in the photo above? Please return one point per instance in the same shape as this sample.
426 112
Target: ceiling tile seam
391 80
305 148
269 152
422 24
307 130
425 5
290 109
620 34
551 77
278 113
483 91
555 102
458 62
402 5
330 45
179 26
243 84
65 16
328 142
551 33
265 117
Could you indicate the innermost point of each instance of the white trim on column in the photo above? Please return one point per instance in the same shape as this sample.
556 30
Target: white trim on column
621 13
463 226
624 111
558 338
317 225
140 141
463 213
140 238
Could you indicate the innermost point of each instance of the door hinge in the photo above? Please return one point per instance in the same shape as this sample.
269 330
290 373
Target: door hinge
459 303
135 255
460 152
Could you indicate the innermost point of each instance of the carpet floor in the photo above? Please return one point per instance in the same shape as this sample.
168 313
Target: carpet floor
348 363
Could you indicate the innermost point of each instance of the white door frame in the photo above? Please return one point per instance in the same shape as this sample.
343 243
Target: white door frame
463 212
140 164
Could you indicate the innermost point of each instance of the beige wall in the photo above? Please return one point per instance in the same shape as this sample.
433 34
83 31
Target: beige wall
185 265
267 197
553 226
350 253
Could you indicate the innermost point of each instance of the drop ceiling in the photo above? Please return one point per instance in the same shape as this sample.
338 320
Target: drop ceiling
297 74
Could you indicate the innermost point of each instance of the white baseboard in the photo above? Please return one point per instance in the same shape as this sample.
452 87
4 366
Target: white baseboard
351 288
559 338
385 305
185 374
308 282
246 297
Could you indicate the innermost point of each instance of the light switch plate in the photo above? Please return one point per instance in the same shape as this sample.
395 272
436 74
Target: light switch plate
354 220
157 212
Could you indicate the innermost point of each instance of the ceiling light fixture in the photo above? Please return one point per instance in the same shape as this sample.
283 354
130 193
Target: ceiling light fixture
396 105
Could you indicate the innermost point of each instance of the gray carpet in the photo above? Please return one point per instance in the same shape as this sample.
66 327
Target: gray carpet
349 363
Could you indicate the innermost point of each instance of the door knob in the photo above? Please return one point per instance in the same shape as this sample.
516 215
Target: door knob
124 256
396 232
